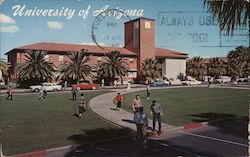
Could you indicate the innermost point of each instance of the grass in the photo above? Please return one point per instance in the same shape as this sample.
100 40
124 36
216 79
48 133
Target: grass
188 105
30 124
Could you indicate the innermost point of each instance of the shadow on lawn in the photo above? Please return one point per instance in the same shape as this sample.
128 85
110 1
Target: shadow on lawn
99 142
226 123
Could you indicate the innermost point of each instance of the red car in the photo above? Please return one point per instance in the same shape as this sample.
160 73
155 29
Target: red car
81 86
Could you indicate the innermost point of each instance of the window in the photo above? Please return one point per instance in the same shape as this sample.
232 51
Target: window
147 24
131 60
136 25
132 74
136 34
60 58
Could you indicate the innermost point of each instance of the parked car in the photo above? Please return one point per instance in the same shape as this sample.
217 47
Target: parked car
47 87
158 83
191 82
208 78
223 79
83 85
175 82
242 79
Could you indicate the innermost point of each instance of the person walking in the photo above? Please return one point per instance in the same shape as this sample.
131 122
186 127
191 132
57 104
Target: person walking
9 92
118 101
42 93
156 112
82 106
136 103
141 121
208 79
73 90
148 93
102 82
128 86
115 83
65 84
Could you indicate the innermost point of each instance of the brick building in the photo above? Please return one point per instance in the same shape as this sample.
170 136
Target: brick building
139 45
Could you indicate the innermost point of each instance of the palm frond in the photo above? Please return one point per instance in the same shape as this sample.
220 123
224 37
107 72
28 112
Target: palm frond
230 14
77 68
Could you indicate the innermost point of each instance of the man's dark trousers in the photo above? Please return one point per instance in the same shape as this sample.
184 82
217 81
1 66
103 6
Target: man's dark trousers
158 118
9 96
74 96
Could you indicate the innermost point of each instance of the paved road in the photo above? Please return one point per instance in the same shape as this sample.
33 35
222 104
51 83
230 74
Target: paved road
103 106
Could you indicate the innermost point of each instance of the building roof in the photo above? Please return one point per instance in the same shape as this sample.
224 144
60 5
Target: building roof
60 47
160 52
139 19
92 49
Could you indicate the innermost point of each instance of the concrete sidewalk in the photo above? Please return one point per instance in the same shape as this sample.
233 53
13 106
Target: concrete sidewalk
104 107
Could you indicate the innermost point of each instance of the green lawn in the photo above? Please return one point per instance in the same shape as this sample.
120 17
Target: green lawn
188 105
30 124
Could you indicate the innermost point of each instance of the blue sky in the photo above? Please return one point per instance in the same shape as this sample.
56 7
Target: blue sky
181 25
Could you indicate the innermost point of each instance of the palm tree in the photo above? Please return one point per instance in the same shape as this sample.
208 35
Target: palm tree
238 62
76 68
246 68
112 67
229 13
195 67
35 69
3 70
150 69
216 67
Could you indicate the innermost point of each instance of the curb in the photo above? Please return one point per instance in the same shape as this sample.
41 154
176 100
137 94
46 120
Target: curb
31 154
202 124
195 125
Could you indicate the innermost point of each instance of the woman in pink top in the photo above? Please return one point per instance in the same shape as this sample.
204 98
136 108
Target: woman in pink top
136 104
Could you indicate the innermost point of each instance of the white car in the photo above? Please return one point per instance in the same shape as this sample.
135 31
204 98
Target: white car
191 82
223 79
242 79
175 82
47 87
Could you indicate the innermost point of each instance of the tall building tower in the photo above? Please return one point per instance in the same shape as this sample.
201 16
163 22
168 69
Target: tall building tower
139 38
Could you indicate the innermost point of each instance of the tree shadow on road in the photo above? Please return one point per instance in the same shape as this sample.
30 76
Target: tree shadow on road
226 123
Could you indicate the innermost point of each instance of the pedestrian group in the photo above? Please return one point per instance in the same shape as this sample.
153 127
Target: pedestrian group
141 119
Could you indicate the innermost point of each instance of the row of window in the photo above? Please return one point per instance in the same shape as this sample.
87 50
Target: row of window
130 74
61 58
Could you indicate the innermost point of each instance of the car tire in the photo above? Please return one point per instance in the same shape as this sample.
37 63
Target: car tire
78 88
94 87
36 90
